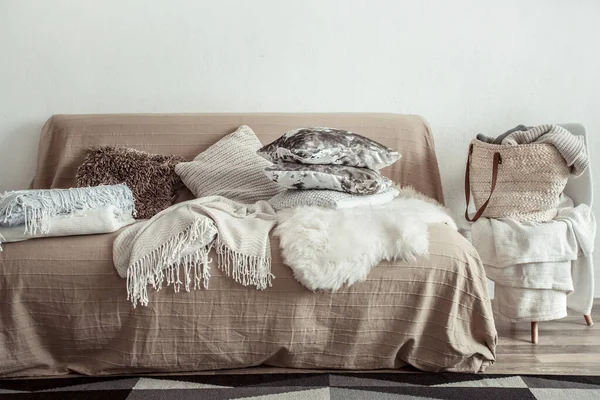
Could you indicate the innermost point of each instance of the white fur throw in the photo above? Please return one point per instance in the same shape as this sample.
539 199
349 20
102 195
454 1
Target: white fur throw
328 248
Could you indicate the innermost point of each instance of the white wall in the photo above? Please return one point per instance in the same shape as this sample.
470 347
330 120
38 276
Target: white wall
467 66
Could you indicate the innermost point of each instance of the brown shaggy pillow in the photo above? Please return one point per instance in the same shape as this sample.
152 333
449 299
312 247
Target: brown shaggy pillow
151 177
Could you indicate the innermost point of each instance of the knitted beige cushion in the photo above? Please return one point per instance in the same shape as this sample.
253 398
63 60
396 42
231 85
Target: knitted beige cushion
230 168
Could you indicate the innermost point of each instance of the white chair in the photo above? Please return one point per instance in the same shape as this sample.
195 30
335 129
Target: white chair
580 190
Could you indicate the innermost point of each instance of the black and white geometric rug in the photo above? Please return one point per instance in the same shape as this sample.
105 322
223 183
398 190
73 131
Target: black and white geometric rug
342 386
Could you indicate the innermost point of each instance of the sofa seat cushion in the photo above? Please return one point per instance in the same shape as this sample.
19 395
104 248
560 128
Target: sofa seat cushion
65 310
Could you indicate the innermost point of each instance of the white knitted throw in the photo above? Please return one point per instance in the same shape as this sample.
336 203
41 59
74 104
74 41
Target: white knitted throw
154 251
571 147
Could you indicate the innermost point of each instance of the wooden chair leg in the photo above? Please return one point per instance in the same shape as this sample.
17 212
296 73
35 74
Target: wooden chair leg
534 332
588 320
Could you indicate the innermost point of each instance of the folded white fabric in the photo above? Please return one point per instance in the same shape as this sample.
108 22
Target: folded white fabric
554 255
524 305
583 222
84 222
35 208
505 242
330 198
552 276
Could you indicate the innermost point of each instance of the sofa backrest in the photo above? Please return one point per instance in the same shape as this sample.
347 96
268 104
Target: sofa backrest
65 138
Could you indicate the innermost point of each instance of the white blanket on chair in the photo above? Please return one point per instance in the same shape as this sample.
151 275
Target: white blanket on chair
553 255
328 248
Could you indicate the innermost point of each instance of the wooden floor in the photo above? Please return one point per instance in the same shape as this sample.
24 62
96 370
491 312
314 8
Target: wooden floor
567 346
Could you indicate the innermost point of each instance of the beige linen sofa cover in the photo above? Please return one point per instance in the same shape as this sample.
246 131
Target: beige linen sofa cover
63 308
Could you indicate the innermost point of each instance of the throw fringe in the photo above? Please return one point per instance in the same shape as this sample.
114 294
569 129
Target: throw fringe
165 264
35 208
245 269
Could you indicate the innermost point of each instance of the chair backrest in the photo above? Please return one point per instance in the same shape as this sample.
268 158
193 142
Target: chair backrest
580 189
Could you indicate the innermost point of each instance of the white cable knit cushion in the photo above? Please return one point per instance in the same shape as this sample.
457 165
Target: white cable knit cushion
230 168
330 199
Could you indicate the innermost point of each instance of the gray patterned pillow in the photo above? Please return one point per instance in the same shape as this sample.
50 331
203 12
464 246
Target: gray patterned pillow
333 177
329 146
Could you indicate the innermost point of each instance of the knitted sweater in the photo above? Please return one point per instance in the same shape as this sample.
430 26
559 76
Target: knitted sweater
571 147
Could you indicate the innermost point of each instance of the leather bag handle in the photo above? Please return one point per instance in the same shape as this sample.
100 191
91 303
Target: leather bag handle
497 161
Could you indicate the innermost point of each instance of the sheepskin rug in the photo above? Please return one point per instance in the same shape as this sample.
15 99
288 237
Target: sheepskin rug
327 248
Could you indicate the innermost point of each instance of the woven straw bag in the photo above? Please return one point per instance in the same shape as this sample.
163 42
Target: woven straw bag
523 182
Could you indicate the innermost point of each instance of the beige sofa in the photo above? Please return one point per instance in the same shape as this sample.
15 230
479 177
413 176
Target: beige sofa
64 308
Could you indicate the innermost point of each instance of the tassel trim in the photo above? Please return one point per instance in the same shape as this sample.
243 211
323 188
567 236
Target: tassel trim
245 269
172 264
35 208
